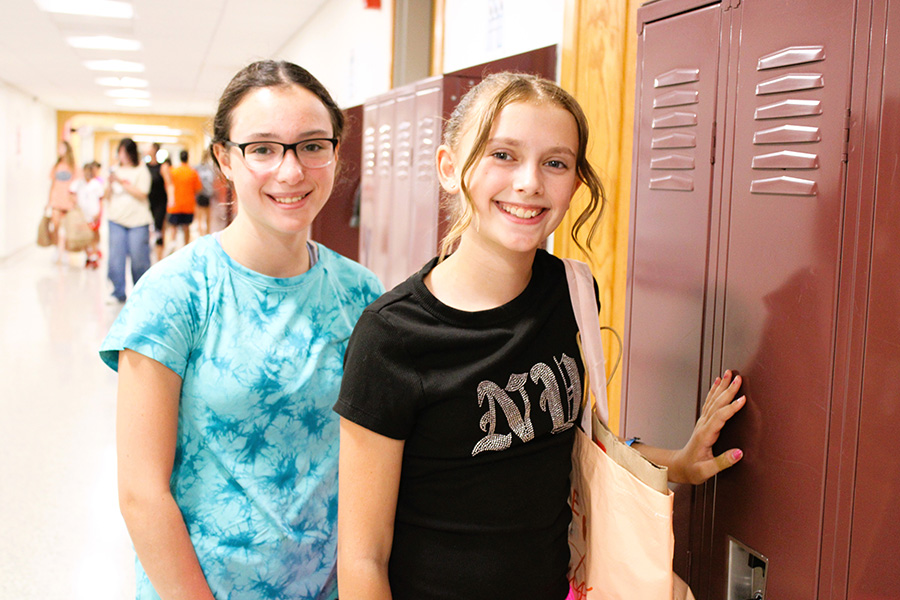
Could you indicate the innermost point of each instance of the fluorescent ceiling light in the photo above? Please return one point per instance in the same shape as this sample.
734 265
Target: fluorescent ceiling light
103 42
127 93
139 129
114 65
132 82
159 139
134 102
90 8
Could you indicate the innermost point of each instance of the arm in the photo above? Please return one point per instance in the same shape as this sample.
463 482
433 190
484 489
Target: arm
695 462
369 473
146 425
166 174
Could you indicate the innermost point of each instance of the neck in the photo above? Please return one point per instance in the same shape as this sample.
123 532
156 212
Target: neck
267 253
475 278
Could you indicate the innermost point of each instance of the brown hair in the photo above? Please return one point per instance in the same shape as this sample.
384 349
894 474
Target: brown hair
68 156
484 102
263 74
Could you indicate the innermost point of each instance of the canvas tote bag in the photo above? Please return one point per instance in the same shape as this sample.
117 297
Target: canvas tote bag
621 537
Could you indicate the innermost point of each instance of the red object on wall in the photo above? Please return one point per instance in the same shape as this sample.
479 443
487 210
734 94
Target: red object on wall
373 3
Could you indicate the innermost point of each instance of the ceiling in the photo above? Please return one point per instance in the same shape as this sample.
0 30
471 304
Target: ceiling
190 50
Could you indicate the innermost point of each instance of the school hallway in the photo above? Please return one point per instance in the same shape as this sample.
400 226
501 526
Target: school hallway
61 531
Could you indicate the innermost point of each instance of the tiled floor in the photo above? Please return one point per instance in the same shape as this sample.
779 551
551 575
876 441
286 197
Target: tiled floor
61 534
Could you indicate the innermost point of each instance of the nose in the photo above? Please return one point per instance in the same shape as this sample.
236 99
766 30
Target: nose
290 170
528 179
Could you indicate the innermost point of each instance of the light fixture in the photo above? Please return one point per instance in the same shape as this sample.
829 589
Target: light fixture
133 102
103 42
127 93
132 82
114 65
140 129
89 8
159 139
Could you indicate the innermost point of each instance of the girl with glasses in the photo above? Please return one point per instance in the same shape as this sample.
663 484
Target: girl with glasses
463 384
230 355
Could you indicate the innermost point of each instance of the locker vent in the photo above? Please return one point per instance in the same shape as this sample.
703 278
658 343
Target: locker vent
403 162
664 140
425 148
798 140
368 151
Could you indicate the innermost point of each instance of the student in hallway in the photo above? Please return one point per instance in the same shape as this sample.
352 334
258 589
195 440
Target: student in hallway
185 185
160 188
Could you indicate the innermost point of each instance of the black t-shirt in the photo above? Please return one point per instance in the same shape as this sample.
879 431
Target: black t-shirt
486 403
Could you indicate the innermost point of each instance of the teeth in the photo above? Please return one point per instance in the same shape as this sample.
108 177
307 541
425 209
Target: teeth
291 200
520 212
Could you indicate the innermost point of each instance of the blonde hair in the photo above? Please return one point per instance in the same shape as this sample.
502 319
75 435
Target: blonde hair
487 99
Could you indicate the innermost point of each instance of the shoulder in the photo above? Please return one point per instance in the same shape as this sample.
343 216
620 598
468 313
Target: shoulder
184 272
350 274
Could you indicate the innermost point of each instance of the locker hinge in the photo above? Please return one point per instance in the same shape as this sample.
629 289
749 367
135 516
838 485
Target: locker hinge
712 150
846 148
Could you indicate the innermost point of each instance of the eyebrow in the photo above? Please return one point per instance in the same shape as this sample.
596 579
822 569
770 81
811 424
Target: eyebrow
306 135
515 142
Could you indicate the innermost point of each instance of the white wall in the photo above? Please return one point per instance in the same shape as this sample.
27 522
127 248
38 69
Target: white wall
478 31
348 48
27 153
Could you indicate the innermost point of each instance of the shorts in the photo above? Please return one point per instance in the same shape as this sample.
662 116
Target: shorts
181 218
202 200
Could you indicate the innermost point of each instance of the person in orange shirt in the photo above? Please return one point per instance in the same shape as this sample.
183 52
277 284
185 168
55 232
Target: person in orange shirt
185 184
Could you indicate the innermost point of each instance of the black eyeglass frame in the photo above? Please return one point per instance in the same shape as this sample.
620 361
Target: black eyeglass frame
243 146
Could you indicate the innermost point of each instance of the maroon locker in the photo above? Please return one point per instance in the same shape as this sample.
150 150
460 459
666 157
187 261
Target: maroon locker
368 184
875 538
768 271
677 98
776 301
402 221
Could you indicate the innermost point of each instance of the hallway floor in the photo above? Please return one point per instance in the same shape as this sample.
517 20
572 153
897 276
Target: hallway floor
61 534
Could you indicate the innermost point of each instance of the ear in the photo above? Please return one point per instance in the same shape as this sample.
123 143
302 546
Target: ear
447 169
224 158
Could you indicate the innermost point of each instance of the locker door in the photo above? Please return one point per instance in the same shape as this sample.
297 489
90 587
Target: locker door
384 179
670 224
672 203
400 202
425 202
874 559
778 302
368 185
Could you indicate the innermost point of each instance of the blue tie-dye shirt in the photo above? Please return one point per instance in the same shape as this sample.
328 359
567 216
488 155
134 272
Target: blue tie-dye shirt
256 461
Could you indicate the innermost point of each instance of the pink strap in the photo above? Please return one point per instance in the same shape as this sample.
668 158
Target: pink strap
584 304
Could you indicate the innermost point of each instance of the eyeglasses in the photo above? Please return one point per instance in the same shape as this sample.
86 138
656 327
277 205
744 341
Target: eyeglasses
267 156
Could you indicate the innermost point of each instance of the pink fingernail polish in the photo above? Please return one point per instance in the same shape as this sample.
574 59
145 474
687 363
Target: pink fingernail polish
737 455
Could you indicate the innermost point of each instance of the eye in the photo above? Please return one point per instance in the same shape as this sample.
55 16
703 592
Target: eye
313 147
501 155
557 164
260 150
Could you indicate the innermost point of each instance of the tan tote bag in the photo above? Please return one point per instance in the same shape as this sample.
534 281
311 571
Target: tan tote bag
621 537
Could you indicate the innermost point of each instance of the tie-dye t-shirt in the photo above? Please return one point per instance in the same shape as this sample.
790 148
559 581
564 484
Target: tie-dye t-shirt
256 461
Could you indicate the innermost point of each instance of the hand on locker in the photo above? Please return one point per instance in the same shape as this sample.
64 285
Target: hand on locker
695 463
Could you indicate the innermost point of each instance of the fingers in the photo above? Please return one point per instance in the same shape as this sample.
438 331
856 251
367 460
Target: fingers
728 459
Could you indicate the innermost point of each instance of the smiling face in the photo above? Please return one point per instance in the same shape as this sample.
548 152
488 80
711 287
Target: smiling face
283 201
523 183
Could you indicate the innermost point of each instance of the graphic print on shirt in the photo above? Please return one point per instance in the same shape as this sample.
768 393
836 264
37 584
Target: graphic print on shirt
551 400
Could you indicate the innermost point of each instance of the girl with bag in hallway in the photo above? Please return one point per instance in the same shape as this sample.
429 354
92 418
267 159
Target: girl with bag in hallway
463 384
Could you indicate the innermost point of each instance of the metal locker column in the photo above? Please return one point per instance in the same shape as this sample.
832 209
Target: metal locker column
874 566
776 305
672 204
